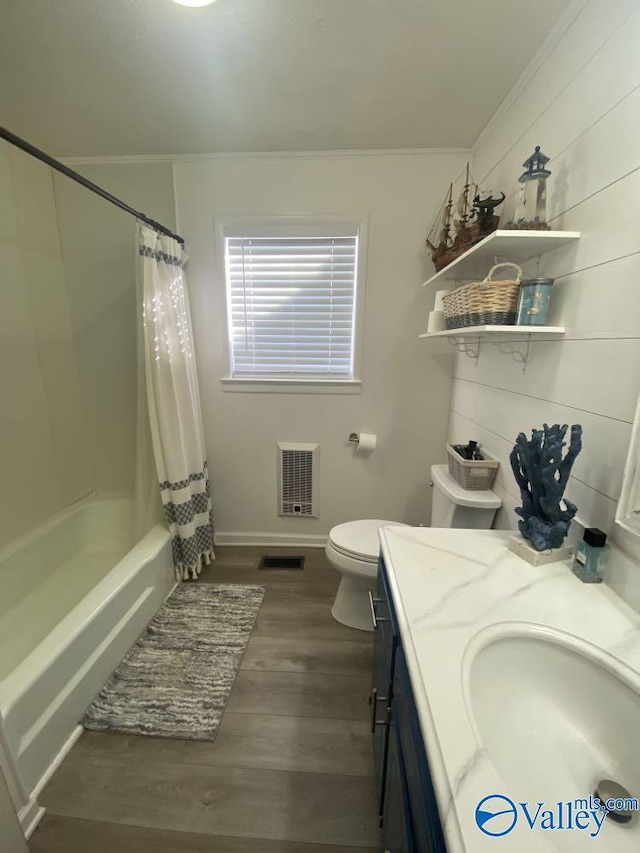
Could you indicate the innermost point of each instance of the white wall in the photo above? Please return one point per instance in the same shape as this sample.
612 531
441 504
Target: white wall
43 449
406 386
98 251
582 105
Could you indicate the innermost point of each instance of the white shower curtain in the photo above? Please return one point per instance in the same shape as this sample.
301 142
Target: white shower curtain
174 402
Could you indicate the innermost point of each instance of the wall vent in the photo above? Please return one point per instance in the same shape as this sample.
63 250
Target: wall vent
297 478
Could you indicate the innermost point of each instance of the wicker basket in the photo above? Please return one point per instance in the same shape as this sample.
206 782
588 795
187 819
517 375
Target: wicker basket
487 302
474 474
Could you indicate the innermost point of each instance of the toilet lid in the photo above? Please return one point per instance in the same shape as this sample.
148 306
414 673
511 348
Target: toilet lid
359 539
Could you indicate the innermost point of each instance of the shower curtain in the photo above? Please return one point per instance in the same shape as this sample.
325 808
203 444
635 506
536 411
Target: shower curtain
173 402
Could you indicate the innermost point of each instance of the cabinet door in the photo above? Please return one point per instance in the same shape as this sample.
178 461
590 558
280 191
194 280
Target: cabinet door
422 804
384 645
379 702
397 836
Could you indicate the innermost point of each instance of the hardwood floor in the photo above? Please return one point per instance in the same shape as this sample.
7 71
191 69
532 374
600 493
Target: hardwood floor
291 769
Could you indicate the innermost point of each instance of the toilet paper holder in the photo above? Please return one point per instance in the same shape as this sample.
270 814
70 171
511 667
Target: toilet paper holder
365 442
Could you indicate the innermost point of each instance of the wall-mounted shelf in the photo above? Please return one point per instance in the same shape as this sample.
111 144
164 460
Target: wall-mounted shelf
468 340
517 246
493 331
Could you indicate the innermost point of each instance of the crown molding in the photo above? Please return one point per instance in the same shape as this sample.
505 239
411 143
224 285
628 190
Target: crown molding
261 155
562 25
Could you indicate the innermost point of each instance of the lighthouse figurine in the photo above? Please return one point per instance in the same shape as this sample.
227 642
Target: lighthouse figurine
531 212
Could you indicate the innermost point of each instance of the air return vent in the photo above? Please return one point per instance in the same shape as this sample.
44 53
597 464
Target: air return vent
297 477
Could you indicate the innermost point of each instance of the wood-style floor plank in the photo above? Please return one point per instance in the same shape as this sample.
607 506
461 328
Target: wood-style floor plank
250 574
314 622
68 835
334 657
341 747
310 595
272 804
301 695
303 744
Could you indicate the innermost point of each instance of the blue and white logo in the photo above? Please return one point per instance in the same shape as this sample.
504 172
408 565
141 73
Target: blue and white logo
496 815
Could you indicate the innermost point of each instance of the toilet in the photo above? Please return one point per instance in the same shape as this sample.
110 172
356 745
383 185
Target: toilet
353 547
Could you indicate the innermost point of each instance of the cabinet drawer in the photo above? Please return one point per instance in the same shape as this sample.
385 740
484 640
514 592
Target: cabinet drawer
385 606
385 635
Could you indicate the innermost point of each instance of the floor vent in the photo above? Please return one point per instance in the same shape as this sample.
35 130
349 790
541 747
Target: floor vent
282 563
297 476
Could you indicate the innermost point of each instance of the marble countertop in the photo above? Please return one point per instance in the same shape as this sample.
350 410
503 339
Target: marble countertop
450 586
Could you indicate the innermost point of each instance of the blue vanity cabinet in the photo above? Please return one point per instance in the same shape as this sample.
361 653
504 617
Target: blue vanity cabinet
409 817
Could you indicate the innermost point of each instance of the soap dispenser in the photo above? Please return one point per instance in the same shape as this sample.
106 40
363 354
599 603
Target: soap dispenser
591 556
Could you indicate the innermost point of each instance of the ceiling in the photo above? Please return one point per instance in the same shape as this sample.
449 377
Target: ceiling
119 77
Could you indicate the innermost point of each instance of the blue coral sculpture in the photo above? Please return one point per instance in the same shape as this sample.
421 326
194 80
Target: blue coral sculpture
541 474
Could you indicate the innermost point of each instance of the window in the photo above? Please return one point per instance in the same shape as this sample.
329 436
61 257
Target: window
292 294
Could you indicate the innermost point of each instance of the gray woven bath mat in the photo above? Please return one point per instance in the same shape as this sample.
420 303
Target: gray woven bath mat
176 680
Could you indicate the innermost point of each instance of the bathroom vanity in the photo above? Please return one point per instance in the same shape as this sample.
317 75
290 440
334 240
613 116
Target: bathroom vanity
494 678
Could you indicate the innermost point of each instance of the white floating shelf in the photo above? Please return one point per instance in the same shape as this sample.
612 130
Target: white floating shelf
517 246
513 340
479 331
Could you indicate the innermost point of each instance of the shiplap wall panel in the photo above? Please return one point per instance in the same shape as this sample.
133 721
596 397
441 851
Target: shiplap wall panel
591 305
582 106
588 160
607 223
585 375
608 438
580 46
587 102
595 508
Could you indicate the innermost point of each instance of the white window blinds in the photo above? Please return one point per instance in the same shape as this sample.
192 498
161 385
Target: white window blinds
291 302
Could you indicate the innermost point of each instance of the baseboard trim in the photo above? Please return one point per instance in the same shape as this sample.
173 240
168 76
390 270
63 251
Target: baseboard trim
30 816
65 749
281 540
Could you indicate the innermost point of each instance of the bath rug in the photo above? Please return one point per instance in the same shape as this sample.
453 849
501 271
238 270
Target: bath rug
176 680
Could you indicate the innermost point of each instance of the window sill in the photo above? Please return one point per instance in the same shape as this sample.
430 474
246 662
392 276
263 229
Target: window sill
292 386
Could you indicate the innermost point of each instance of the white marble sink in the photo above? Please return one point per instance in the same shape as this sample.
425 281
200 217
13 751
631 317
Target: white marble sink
555 716
527 684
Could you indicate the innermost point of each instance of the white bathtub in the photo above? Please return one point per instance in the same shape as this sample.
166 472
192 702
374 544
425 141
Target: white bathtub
74 596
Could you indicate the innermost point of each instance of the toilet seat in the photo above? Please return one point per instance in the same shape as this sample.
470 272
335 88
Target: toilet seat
359 539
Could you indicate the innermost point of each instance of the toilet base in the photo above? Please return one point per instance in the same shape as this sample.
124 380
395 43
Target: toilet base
351 606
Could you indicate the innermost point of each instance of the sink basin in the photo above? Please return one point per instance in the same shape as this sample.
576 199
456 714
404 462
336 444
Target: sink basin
555 716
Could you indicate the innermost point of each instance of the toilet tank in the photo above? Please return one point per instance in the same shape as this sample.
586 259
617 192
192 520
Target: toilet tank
454 506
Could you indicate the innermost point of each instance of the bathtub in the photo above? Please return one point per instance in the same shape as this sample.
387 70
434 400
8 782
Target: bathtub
74 596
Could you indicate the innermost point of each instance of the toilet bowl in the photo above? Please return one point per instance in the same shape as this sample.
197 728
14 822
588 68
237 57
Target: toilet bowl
353 549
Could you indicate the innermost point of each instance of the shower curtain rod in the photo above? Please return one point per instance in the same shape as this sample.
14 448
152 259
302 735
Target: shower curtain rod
65 170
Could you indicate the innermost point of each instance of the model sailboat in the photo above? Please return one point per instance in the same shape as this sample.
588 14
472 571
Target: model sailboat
458 227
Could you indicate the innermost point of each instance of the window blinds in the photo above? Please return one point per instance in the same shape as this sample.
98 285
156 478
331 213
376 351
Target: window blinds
292 305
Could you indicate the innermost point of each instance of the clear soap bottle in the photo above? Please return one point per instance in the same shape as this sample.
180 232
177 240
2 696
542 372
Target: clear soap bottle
591 556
